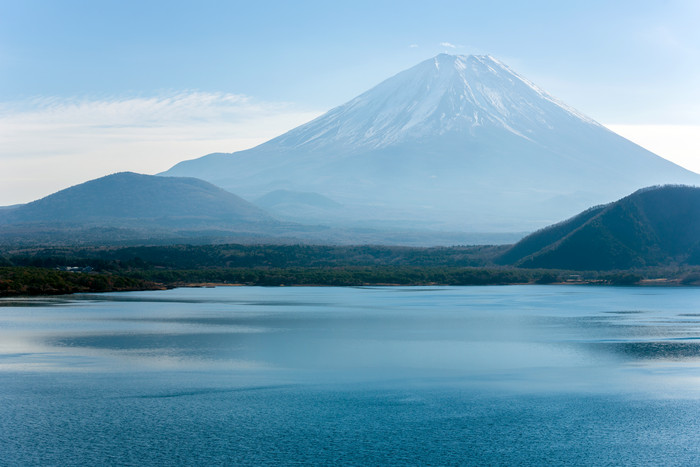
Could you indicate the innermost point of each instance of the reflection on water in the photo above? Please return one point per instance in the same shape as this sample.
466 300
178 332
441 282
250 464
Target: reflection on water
446 368
356 333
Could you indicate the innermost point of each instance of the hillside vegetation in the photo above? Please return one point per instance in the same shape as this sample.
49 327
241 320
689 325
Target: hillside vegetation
652 235
658 226
274 265
136 200
43 281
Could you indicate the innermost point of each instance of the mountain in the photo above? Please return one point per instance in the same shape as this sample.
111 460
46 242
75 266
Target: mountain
146 209
651 227
281 198
137 204
297 206
456 142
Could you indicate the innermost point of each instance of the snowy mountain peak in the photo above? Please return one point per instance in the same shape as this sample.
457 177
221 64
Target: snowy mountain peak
455 140
445 94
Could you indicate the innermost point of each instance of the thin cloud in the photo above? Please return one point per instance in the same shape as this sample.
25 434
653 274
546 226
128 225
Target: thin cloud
447 44
49 143
413 46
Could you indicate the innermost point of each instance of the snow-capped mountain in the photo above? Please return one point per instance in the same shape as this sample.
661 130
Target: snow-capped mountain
454 142
438 96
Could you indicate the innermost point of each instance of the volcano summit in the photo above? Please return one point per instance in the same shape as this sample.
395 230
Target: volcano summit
456 142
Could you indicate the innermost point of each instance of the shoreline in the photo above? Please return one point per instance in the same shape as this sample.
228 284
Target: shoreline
664 283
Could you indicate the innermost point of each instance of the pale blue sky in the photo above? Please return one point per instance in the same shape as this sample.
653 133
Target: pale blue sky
98 86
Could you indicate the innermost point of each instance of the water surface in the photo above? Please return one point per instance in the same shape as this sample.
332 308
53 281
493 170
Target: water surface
443 375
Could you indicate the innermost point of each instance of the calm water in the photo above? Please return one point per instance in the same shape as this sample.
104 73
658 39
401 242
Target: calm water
455 375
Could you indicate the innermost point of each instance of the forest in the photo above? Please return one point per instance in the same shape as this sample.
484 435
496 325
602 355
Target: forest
59 270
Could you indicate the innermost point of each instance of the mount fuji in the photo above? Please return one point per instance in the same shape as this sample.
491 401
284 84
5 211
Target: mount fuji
454 143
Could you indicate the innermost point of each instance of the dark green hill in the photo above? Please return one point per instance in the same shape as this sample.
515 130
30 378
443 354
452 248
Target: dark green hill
130 200
651 227
545 237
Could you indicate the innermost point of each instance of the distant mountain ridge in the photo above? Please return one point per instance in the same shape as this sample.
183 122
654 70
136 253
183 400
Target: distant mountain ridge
146 209
455 141
130 205
279 198
298 206
652 227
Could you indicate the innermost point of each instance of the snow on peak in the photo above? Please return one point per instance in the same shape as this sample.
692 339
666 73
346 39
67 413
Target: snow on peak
448 93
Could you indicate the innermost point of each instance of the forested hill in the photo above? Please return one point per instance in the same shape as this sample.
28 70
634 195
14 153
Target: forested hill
130 199
651 227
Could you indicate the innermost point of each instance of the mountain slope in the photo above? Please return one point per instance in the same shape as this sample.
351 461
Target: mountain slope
130 199
146 209
296 206
547 236
651 227
281 198
456 141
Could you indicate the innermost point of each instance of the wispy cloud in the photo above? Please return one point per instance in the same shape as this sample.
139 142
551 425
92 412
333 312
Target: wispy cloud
447 44
49 143
413 46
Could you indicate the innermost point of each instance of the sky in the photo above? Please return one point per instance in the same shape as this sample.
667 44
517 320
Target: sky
91 88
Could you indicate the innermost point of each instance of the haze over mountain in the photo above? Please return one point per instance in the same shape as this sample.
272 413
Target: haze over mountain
285 204
454 142
147 209
137 205
651 227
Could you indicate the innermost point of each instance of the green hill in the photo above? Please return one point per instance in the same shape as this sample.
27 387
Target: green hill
131 203
651 227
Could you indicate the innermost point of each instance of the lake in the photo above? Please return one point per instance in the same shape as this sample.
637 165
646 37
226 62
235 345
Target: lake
514 375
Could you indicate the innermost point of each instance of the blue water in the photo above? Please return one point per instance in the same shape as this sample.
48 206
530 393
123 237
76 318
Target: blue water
519 375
